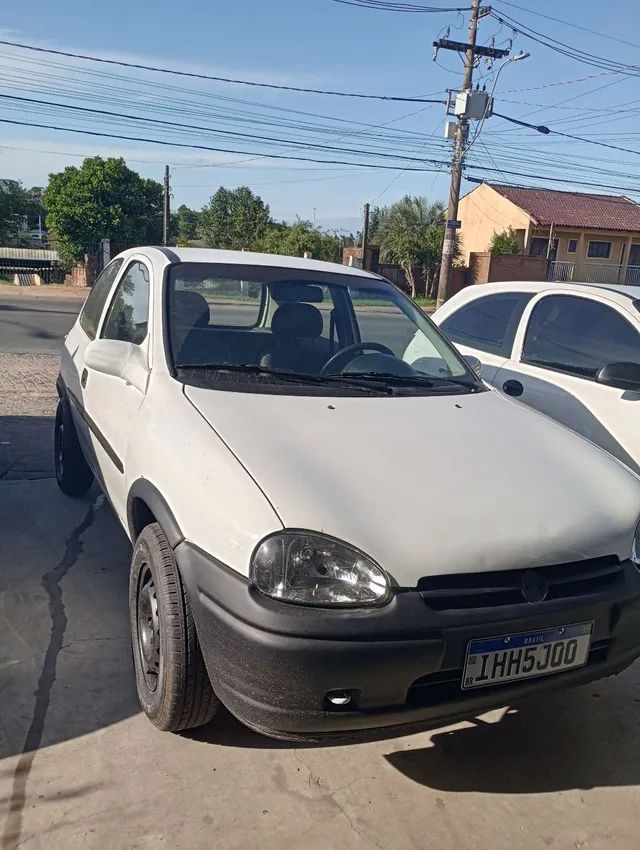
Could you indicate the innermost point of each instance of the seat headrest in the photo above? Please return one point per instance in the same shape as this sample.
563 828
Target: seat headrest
190 309
296 319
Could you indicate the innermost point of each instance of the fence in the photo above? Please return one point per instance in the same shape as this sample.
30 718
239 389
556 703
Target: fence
594 273
35 266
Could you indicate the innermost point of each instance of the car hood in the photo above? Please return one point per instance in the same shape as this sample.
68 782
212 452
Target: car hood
430 485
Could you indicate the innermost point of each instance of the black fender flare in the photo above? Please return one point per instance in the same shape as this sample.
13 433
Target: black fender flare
145 491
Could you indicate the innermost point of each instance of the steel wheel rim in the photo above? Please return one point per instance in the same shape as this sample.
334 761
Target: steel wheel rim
148 628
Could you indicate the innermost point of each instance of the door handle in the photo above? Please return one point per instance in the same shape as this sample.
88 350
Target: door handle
83 378
513 388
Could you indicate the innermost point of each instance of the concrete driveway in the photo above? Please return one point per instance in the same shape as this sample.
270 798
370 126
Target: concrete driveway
80 767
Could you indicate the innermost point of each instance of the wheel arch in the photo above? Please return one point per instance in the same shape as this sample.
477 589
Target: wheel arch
145 505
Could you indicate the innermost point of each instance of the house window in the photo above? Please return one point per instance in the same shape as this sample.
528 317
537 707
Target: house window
599 250
539 247
573 246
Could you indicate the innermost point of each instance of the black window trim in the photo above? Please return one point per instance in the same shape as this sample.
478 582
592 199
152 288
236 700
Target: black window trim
115 260
609 305
132 260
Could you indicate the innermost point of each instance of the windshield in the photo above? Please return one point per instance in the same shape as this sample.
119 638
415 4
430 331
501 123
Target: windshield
279 324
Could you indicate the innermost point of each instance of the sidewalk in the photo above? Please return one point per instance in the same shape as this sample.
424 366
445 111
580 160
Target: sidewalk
46 291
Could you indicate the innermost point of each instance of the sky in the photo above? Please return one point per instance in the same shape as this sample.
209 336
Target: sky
316 44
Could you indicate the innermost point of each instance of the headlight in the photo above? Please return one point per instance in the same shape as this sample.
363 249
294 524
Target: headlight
311 569
635 548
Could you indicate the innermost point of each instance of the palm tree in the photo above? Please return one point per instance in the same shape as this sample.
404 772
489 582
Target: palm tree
410 233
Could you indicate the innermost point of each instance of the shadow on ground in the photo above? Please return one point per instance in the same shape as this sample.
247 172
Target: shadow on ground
26 447
586 738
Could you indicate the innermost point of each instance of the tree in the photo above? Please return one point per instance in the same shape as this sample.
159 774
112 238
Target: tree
13 209
410 233
234 219
506 242
103 199
295 239
184 225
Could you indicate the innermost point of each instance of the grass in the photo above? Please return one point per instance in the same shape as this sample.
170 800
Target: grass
425 303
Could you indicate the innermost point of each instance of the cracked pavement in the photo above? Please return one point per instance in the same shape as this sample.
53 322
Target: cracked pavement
80 767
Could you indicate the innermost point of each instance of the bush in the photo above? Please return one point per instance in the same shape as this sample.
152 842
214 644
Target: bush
505 243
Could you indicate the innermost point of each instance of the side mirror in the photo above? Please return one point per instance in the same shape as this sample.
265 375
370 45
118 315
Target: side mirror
474 364
622 376
120 360
108 356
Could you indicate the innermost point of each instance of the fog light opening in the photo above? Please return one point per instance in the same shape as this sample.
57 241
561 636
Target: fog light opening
339 699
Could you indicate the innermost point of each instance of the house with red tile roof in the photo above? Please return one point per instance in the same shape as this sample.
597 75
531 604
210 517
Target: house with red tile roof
590 238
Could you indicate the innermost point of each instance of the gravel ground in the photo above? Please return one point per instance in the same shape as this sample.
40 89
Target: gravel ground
27 405
28 384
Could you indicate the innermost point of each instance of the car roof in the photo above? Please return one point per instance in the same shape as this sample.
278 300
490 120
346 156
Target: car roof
615 292
249 258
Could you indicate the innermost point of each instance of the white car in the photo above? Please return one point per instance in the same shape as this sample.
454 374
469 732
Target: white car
571 351
331 536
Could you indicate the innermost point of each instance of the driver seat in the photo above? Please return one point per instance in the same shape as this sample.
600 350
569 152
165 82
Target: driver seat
297 328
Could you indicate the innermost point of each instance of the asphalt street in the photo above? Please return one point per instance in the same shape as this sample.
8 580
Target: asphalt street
35 324
81 767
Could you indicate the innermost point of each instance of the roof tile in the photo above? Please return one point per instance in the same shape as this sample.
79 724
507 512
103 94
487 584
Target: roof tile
574 209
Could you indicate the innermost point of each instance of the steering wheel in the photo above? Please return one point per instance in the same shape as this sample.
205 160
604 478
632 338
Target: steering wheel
341 358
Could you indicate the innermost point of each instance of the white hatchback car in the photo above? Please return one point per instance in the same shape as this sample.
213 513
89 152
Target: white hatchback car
331 535
571 351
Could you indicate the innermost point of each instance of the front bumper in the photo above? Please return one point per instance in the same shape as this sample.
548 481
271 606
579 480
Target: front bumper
273 663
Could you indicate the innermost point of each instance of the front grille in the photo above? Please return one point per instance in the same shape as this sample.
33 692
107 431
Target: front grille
488 590
445 686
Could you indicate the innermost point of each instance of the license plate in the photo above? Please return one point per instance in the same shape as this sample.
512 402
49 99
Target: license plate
509 658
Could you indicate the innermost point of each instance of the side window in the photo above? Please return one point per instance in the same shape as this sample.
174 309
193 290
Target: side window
129 311
97 298
579 336
488 324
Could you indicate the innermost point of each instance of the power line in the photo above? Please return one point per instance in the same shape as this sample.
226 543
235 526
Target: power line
376 166
547 130
566 50
389 6
172 144
569 24
233 134
194 75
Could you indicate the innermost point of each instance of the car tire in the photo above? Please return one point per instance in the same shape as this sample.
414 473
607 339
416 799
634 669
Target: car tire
73 473
171 678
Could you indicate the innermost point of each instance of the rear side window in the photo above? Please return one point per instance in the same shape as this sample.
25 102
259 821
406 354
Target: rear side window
94 305
578 336
232 303
128 316
488 324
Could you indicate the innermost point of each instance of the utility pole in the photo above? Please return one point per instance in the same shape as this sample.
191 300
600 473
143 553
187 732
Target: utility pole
166 208
462 133
365 237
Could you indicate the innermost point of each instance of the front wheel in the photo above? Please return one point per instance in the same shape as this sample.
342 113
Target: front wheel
171 677
73 474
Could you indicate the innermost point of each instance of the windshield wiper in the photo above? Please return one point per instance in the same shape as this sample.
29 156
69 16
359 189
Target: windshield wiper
369 387
418 380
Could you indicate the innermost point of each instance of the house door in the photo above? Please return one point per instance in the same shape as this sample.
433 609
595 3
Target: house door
633 267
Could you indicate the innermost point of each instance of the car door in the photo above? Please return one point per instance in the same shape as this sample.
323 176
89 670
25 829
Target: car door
564 341
486 327
111 402
77 340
